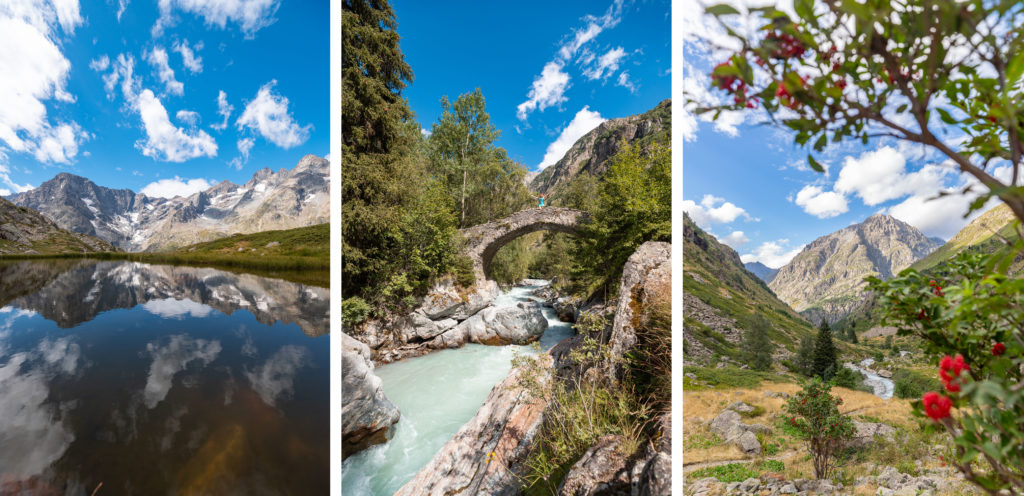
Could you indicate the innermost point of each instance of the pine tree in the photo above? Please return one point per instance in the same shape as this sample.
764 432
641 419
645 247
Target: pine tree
757 345
804 361
396 230
853 335
825 359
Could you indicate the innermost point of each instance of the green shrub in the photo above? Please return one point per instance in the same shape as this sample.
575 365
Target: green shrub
463 271
849 379
354 310
815 415
773 466
910 384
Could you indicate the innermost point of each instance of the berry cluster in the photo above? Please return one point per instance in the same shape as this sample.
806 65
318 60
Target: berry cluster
784 46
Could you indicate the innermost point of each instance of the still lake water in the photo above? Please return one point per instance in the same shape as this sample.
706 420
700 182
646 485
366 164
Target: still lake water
437 394
155 380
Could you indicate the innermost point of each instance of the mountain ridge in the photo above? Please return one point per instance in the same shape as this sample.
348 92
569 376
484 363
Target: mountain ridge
132 221
826 279
24 231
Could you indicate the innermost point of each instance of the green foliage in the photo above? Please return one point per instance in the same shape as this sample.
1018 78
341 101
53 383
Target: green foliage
815 415
732 377
804 361
849 379
398 229
772 465
634 206
482 183
577 414
311 241
512 262
731 472
650 361
968 309
757 345
825 362
354 311
910 384
463 270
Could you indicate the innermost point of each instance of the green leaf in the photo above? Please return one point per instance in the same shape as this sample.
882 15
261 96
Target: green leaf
814 164
1015 67
944 115
721 9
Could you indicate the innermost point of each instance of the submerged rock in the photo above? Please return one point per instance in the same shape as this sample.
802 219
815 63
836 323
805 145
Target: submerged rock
483 456
367 416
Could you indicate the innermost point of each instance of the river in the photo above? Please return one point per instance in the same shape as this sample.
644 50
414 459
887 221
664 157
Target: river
880 386
437 393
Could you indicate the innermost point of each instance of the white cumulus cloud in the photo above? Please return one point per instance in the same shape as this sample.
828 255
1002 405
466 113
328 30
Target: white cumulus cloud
157 57
736 239
169 188
584 122
713 209
188 56
249 15
773 254
268 115
224 109
547 90
821 204
35 72
189 117
606 64
165 141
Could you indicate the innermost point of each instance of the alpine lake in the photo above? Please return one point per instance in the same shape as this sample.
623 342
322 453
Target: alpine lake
137 379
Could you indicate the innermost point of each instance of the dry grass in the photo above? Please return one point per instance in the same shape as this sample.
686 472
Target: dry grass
702 406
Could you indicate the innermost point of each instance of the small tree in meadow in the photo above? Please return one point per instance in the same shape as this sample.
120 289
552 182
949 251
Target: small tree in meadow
814 412
757 344
825 359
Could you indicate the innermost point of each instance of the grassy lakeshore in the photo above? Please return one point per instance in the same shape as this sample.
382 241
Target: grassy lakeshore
299 255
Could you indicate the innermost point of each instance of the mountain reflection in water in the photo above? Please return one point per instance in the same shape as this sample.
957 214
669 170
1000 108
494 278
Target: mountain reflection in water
156 379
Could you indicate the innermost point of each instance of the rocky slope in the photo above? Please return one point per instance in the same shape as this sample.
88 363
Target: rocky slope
590 154
25 231
135 222
826 279
721 298
764 272
982 233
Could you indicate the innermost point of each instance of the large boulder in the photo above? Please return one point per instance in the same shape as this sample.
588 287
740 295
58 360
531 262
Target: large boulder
728 426
601 470
646 279
656 478
520 324
483 457
865 433
367 416
444 300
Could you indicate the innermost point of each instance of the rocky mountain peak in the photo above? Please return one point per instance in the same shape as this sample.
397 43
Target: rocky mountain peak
826 278
132 221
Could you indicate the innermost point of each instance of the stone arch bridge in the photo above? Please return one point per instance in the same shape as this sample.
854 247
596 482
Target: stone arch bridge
483 241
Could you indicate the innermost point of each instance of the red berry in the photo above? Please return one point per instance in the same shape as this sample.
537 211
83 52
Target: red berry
998 349
936 406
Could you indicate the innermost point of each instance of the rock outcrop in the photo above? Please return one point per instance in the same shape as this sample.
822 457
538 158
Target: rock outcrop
601 470
646 279
367 416
591 153
25 231
484 455
728 426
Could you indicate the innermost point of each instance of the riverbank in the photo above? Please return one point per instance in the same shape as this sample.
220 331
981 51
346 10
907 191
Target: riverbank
463 377
314 271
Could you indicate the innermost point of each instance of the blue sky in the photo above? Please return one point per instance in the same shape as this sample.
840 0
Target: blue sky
549 72
128 92
749 185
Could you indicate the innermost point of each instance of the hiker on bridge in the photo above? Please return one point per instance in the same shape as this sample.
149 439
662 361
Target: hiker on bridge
540 200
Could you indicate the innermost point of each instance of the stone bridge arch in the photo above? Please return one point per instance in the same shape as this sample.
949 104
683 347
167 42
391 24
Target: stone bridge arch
483 241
